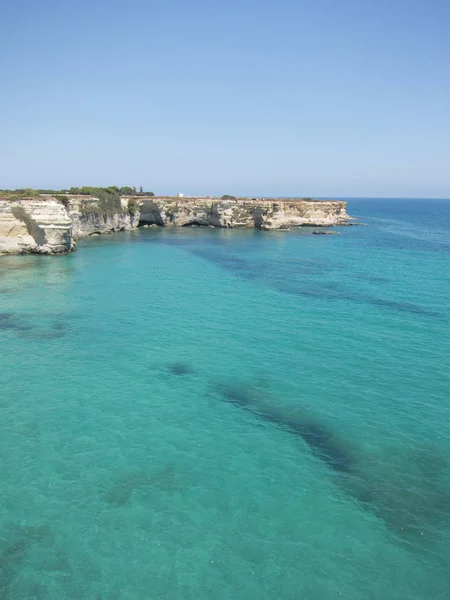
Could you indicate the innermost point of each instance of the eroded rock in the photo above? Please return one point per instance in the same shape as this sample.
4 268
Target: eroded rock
45 225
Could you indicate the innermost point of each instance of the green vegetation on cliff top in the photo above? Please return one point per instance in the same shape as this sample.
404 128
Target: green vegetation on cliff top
108 197
83 191
18 194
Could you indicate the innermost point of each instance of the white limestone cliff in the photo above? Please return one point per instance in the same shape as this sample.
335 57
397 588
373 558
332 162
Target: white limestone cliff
48 225
40 225
88 218
242 212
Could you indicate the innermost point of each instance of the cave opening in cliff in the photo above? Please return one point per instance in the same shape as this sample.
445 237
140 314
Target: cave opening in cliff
196 224
150 223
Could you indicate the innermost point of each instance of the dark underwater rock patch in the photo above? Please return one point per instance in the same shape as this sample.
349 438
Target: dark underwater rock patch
53 331
230 262
180 368
334 293
122 491
11 321
14 551
409 493
255 270
374 278
236 394
322 442
401 306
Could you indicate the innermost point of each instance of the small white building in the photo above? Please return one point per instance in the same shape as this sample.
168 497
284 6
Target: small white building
180 195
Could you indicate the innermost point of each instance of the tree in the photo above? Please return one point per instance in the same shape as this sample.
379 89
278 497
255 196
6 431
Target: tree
86 190
141 189
126 190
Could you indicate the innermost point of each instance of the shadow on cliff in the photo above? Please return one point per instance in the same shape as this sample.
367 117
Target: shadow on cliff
36 232
408 492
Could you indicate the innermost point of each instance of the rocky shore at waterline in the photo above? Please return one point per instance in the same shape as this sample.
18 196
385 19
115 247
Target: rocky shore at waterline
51 224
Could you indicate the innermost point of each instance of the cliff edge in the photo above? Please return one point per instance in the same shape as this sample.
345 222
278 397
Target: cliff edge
266 213
51 224
38 225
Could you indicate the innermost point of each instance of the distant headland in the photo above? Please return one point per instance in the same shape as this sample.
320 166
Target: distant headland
50 221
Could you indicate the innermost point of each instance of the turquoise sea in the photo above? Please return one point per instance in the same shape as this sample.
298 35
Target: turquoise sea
234 415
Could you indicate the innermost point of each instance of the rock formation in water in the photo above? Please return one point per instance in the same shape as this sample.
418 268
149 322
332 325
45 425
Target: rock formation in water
49 225
409 492
39 225
243 212
89 217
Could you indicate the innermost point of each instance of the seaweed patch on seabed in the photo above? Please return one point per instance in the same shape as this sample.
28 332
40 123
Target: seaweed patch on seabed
11 321
240 266
408 493
333 293
180 368
54 331
322 442
14 548
123 490
373 278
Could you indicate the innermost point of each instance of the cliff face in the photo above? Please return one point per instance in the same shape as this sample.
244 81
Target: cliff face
46 225
260 214
39 225
88 218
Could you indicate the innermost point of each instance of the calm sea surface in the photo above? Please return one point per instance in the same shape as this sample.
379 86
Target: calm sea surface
214 414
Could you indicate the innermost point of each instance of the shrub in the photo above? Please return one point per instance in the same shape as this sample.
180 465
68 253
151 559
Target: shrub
19 194
63 199
126 191
108 200
133 207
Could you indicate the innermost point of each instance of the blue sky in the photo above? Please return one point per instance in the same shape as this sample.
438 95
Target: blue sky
315 98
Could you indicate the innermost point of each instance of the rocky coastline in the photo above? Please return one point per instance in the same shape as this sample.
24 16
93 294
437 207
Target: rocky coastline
51 224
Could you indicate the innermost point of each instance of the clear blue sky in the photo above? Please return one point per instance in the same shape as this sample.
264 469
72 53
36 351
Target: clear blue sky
302 97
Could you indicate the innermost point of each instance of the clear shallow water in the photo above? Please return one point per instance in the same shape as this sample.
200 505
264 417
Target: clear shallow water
230 414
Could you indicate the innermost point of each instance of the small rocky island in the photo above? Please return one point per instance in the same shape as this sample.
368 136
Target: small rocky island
51 223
